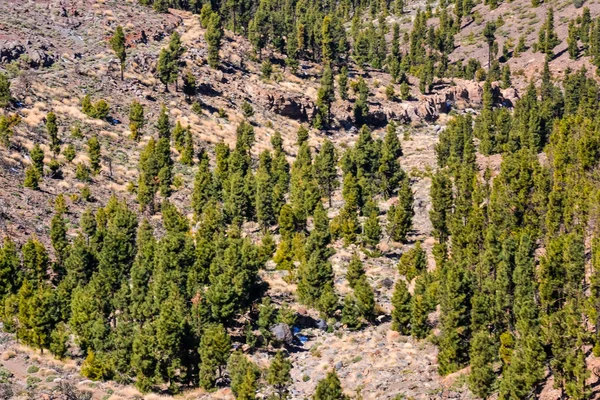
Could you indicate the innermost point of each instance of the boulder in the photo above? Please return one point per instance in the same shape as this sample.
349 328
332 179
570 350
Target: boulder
293 107
322 325
10 51
39 58
282 333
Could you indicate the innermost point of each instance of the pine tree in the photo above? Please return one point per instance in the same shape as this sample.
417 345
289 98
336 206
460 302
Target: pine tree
203 186
166 68
52 130
161 6
572 37
162 124
292 53
176 50
355 271
86 106
189 86
117 42
10 271
401 313
413 262
325 170
400 215
482 377
58 235
37 158
278 374
526 367
441 207
264 191
489 32
4 90
314 275
325 98
187 155
213 36
371 229
215 347
390 172
32 178
361 108
455 323
329 388
94 154
547 39
178 136
244 376
365 298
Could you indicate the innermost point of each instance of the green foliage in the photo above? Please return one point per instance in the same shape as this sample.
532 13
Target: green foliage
37 158
96 367
413 262
365 298
117 42
99 110
278 374
93 146
69 152
482 377
215 347
4 90
32 178
82 172
325 98
329 388
401 314
244 376
355 270
136 119
266 69
213 36
7 123
52 130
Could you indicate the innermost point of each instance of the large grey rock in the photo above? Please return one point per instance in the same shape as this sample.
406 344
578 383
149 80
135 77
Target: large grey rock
282 333
322 325
290 106
39 58
10 51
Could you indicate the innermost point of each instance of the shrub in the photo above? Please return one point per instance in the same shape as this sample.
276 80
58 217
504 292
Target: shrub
101 109
76 131
32 382
69 152
389 92
33 369
82 172
404 91
197 108
247 109
266 69
54 167
86 194
32 178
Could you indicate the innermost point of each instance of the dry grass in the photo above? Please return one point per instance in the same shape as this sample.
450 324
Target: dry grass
35 116
193 30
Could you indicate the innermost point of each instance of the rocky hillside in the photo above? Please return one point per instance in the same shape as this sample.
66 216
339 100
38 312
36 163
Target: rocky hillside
56 52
